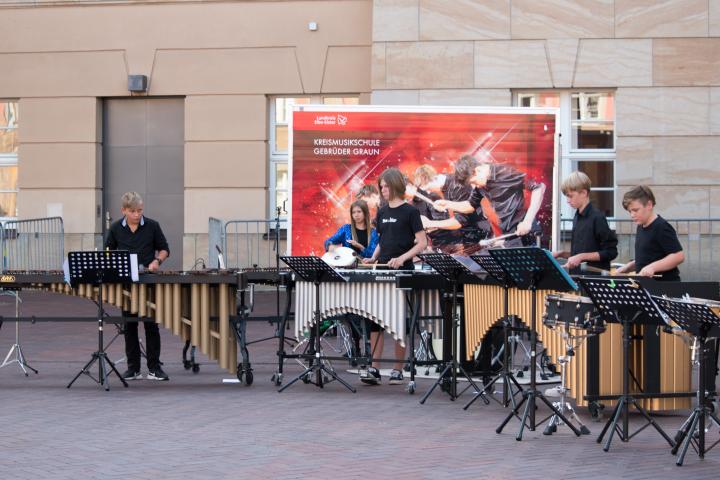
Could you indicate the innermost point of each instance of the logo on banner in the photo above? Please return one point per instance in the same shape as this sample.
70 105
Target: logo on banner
331 120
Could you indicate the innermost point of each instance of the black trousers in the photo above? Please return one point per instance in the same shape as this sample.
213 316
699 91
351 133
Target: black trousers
132 344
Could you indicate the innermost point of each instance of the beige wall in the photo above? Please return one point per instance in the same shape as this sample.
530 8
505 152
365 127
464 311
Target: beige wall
61 58
662 57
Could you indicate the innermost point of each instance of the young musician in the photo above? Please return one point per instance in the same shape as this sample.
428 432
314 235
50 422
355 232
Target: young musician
355 234
505 187
592 241
401 238
657 248
143 236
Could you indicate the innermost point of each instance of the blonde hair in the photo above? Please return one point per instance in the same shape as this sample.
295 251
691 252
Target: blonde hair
575 182
131 200
423 175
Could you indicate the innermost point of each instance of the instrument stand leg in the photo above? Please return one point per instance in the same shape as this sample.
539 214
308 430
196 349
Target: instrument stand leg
562 405
453 366
19 356
532 395
282 326
317 363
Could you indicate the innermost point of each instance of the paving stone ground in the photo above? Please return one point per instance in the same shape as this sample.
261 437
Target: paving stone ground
196 427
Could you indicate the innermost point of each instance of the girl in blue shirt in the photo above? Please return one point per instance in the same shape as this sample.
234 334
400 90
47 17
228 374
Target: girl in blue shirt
358 234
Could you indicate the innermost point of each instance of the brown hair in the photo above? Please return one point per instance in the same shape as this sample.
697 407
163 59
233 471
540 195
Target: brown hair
367 191
465 168
641 193
362 205
575 182
395 181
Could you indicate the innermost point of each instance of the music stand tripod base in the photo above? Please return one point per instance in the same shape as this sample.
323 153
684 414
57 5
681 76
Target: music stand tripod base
16 348
451 270
96 268
532 268
313 269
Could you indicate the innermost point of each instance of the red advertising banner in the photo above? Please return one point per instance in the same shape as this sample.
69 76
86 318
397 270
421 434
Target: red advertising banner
499 162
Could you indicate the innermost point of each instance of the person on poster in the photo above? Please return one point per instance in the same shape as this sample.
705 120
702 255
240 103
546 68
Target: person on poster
143 236
401 238
358 234
449 231
504 186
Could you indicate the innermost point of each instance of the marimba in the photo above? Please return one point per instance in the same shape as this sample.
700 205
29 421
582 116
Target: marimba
660 361
198 306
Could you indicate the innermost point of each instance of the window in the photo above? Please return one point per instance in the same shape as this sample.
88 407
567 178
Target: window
280 108
587 142
8 158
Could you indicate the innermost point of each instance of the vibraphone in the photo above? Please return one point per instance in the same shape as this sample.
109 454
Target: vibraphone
372 294
660 361
198 306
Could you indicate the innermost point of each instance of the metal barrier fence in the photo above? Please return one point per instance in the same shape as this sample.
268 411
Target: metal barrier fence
34 244
700 240
252 243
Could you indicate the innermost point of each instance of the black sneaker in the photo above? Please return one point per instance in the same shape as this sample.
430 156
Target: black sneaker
396 377
372 376
157 374
131 374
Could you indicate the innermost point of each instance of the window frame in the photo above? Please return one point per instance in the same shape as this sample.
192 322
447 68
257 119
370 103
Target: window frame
10 159
278 157
568 156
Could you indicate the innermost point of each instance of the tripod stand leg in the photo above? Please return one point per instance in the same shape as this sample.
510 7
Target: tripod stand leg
680 435
485 389
83 370
525 415
104 381
559 414
511 414
688 437
612 424
336 377
440 379
653 422
473 385
22 362
112 367
307 371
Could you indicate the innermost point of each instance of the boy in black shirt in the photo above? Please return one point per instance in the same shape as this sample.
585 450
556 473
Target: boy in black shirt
143 236
401 238
592 240
657 248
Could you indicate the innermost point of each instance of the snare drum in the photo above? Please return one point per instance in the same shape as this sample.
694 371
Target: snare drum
574 311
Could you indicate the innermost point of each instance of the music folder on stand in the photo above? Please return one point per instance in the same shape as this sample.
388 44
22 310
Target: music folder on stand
490 265
313 269
532 268
702 323
97 268
626 302
451 270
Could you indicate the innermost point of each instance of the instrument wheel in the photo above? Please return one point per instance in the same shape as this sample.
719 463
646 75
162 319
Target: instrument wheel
187 364
411 388
306 378
196 368
596 409
248 378
277 379
240 373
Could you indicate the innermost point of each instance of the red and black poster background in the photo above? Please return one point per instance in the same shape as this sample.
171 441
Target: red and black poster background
334 153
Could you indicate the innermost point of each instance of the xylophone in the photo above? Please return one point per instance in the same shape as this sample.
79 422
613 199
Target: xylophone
199 306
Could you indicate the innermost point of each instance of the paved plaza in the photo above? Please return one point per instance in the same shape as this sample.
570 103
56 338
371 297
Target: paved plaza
196 426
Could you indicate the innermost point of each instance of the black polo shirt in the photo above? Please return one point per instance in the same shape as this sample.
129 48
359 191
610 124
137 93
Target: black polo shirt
591 233
147 239
655 242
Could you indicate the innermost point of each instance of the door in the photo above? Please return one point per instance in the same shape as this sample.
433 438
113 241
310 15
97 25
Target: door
143 151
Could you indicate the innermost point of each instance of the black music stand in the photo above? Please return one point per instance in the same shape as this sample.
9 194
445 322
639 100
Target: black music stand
313 269
490 265
626 302
702 323
96 268
532 268
451 270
